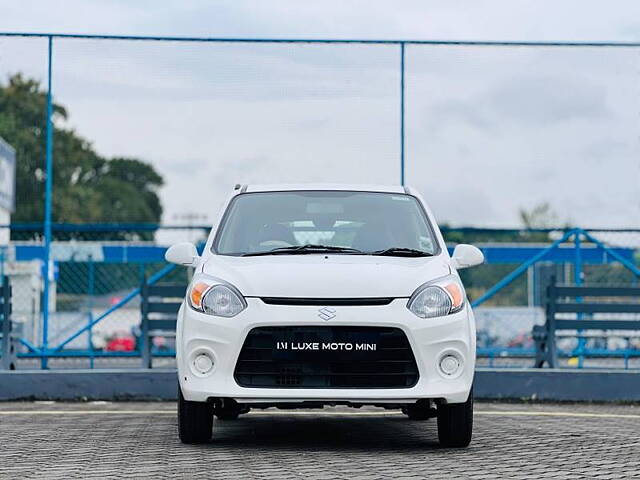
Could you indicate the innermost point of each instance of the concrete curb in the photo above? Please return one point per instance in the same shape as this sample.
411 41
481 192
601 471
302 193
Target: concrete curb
116 384
558 385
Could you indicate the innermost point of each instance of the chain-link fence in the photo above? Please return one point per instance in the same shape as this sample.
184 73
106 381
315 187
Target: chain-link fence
482 130
93 278
504 126
505 318
94 271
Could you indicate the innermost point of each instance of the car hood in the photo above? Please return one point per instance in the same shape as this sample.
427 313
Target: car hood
326 276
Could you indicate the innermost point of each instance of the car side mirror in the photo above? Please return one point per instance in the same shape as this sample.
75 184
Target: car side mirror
465 256
184 253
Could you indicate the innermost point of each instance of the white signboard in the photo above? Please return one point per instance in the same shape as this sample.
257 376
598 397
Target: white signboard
7 176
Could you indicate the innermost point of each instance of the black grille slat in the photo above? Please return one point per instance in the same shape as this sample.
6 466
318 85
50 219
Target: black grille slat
324 374
377 361
391 365
327 302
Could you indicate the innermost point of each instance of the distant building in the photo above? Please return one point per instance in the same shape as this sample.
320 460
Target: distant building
7 188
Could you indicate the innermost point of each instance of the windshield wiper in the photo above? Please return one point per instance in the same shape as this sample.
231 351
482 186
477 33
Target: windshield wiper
401 252
306 249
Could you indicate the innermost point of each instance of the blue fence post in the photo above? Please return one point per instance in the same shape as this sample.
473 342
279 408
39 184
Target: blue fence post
47 207
402 113
577 273
577 279
90 292
142 273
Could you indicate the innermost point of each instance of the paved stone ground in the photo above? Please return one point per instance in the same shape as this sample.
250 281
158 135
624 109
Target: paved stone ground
139 440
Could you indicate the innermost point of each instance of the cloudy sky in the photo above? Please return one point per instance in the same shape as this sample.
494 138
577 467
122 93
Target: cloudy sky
489 130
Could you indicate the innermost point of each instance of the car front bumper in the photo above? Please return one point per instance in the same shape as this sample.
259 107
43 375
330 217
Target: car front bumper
222 339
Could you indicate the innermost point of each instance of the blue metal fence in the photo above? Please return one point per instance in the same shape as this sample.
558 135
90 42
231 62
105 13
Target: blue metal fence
556 252
98 282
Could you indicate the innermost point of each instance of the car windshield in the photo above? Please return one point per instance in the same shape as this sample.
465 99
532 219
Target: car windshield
340 222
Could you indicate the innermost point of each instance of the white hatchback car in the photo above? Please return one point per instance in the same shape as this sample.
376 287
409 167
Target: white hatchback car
313 295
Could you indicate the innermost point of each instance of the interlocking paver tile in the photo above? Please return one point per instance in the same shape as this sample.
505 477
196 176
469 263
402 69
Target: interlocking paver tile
139 440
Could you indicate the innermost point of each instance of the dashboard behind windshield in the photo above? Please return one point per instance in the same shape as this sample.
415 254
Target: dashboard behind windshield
366 221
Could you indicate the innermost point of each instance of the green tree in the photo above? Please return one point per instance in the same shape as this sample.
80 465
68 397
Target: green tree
539 216
88 188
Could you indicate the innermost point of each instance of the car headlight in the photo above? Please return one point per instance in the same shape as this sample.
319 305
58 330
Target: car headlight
437 298
215 298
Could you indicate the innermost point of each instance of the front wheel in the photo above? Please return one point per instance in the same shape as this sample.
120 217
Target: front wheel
455 423
195 420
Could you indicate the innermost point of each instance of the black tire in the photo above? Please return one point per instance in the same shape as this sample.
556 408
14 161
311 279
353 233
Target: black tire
455 423
195 420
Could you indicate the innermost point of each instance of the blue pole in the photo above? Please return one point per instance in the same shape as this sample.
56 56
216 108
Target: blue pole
577 271
90 292
402 114
577 279
473 43
47 209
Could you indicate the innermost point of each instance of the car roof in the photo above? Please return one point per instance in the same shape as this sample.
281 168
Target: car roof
324 186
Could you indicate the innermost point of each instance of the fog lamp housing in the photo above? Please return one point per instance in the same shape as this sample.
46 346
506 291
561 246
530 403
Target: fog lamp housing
202 363
450 364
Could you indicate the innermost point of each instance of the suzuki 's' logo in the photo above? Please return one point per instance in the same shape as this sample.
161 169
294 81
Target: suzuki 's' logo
327 313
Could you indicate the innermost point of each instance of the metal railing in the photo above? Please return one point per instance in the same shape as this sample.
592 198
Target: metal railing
84 273
97 285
